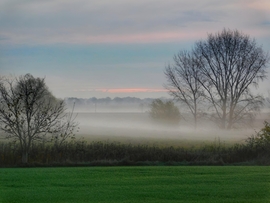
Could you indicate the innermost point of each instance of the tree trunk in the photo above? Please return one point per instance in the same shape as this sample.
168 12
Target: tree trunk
195 113
230 122
195 121
224 116
24 157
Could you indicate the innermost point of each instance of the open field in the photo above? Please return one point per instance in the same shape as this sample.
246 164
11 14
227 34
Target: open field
135 184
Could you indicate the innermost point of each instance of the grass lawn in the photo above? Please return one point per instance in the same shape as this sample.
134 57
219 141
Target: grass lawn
135 184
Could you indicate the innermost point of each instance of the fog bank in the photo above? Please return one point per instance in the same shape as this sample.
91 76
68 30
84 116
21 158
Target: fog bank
139 126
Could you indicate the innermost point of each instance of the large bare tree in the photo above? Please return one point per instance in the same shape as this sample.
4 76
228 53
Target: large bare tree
183 82
221 69
230 63
29 112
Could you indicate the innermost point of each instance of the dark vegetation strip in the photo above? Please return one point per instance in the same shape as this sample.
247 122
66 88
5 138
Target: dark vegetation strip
78 153
255 151
135 184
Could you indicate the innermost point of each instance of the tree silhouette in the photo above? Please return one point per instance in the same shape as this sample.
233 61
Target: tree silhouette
29 112
183 82
226 65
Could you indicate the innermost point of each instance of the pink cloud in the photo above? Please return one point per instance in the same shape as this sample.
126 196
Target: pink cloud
144 37
262 5
79 38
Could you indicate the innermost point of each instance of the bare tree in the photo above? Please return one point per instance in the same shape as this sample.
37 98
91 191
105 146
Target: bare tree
183 82
230 62
28 112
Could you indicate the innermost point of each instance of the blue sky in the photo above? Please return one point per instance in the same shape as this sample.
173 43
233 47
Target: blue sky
115 48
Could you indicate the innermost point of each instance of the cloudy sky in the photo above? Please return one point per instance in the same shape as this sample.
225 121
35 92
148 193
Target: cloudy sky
103 48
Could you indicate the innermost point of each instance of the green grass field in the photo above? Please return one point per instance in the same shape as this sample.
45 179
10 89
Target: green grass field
135 184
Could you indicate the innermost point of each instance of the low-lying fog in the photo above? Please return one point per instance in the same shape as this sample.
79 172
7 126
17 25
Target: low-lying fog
140 126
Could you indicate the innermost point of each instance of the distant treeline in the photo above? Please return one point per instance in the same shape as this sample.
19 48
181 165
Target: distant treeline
122 104
254 151
107 104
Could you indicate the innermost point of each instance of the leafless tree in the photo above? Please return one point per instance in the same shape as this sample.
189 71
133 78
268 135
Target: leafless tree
230 62
183 82
29 112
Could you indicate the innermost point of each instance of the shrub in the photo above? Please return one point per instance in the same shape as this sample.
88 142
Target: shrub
165 112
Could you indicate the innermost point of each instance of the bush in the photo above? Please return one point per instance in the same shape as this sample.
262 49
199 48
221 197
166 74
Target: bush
165 112
259 144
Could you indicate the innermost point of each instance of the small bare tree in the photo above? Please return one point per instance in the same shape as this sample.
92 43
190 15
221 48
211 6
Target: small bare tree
230 62
183 82
29 112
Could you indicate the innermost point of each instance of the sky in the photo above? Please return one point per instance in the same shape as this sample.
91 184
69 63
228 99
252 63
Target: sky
116 48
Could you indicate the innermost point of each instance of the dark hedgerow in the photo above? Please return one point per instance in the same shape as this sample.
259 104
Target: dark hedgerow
255 151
